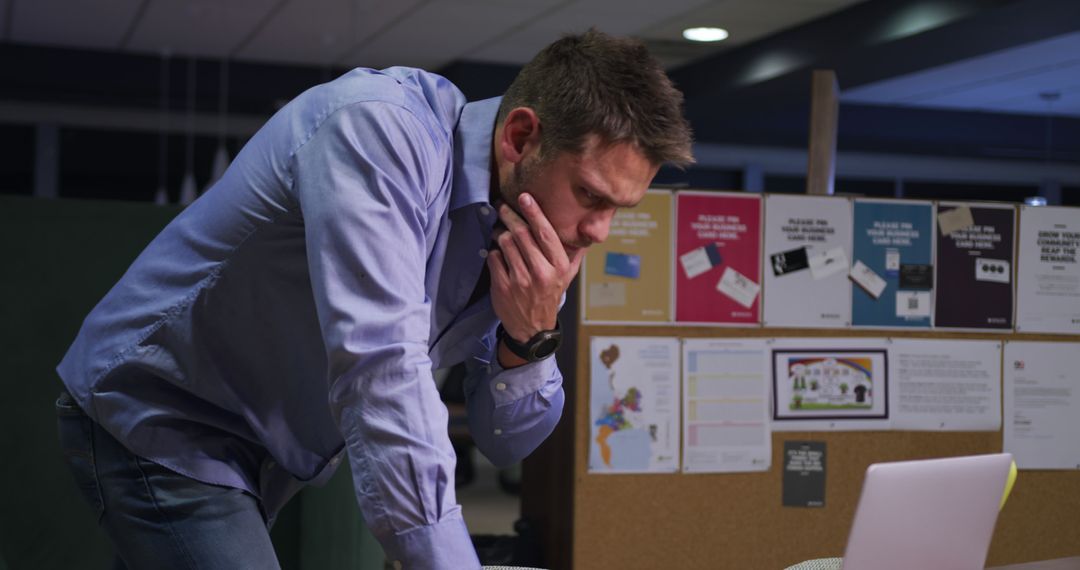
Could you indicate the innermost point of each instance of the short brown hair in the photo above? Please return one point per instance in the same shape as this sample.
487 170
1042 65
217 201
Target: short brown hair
593 83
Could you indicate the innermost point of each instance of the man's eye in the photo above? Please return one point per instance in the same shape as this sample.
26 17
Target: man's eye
593 198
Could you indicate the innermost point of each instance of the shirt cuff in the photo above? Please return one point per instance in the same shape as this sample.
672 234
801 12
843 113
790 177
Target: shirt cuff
508 386
444 545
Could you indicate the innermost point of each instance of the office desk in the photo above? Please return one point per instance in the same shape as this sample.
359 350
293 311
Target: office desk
1071 563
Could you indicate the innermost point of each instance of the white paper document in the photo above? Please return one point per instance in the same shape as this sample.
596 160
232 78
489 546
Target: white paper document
1042 404
634 405
1048 276
725 406
945 385
829 384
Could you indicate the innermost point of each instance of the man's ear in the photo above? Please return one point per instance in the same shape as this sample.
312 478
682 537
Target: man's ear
519 134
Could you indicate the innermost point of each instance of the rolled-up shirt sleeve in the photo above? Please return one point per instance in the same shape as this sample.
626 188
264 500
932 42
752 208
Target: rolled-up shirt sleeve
511 412
365 181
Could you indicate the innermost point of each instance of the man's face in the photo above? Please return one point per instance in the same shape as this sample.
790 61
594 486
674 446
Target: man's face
580 193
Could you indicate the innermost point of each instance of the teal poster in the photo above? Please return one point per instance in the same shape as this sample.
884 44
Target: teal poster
892 268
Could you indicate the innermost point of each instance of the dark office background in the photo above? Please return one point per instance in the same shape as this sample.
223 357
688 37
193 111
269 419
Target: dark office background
88 135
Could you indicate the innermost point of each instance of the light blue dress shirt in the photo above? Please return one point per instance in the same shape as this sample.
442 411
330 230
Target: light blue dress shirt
297 309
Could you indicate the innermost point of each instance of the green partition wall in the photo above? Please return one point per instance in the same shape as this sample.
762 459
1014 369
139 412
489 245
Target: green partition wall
59 257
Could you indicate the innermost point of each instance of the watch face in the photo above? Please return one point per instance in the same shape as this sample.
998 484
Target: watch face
545 348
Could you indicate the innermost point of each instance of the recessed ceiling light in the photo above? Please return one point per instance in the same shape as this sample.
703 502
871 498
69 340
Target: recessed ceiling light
705 34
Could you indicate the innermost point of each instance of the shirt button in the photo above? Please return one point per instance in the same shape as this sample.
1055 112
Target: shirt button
500 386
484 210
483 253
498 431
397 565
270 465
335 460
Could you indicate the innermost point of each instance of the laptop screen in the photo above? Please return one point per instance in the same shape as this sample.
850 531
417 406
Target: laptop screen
934 513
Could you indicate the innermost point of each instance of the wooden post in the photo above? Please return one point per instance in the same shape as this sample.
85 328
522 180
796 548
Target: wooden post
824 109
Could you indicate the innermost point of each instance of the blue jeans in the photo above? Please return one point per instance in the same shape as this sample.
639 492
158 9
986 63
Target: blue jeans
156 518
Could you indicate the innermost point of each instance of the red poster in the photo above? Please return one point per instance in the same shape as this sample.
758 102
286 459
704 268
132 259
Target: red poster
718 258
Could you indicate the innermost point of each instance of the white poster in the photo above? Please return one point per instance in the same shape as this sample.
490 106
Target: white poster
634 405
725 406
1048 279
945 385
830 384
1042 404
807 257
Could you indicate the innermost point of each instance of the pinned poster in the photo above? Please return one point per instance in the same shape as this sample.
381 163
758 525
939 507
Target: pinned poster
804 474
726 406
1041 404
1048 277
830 384
807 256
627 278
718 248
633 405
974 266
945 385
893 263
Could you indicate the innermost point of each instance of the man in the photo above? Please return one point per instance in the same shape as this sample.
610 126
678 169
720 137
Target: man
376 228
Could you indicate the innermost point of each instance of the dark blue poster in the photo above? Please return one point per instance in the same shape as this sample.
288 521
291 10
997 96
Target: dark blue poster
975 257
892 265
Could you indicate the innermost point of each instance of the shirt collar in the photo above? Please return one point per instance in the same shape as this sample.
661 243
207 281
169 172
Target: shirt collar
472 153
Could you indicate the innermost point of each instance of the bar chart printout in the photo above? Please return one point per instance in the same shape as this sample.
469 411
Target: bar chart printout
726 406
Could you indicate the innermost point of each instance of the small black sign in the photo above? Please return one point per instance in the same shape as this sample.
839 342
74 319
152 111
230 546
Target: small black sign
916 276
804 474
789 261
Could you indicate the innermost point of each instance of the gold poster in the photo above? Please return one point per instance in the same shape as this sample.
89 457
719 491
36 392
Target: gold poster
628 277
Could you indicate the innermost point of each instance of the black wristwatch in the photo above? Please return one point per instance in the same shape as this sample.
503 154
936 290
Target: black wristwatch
542 345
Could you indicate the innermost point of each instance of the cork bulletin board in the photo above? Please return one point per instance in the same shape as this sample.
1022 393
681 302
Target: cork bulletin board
736 520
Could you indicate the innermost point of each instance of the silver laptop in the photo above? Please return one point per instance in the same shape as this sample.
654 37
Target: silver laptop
926 515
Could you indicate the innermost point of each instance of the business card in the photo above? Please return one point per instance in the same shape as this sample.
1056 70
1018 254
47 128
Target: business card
622 265
789 261
865 277
916 276
892 262
954 220
828 263
700 260
738 287
607 294
994 270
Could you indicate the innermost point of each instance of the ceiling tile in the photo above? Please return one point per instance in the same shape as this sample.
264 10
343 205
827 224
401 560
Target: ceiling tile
1002 88
1031 103
443 31
999 81
747 20
93 24
318 32
206 28
622 18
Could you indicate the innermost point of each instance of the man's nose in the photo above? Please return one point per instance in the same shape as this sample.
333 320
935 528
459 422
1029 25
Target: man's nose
595 228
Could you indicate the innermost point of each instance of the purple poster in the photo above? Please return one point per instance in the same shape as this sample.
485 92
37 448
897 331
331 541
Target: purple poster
974 284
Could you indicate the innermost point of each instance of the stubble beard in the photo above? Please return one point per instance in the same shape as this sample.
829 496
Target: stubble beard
520 181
